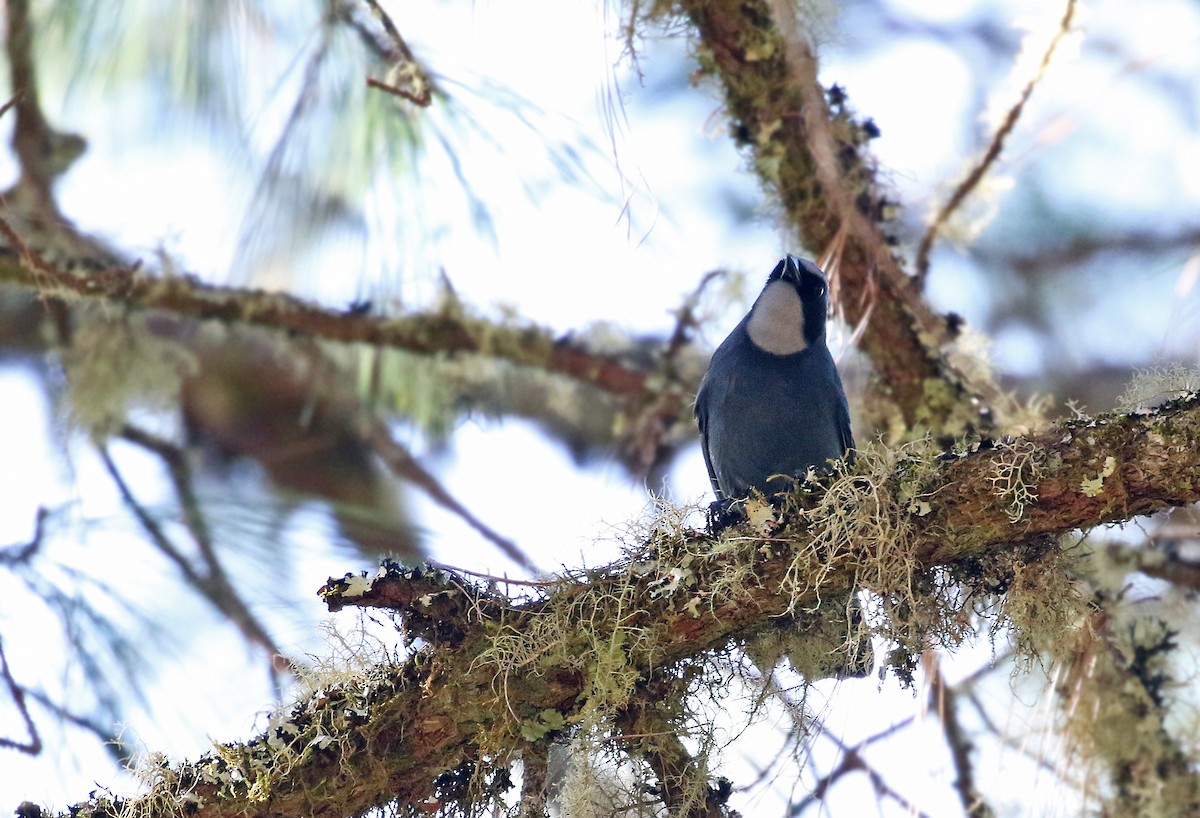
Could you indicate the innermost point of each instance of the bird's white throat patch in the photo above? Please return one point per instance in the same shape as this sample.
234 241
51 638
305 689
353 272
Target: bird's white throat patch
776 322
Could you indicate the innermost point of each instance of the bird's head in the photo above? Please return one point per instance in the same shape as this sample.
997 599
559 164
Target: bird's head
789 315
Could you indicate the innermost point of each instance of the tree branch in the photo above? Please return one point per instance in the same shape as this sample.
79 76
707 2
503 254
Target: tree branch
977 173
209 577
943 699
496 664
34 745
402 464
1115 692
428 333
42 152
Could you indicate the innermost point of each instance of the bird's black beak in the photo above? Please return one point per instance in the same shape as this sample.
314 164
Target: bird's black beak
791 267
787 270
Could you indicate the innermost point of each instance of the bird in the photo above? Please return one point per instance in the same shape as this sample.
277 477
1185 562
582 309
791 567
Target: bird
771 405
771 408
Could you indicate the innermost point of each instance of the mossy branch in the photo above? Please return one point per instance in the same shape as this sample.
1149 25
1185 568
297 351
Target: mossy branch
447 331
1116 687
811 155
499 673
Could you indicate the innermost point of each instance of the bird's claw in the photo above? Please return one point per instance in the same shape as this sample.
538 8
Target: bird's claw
724 513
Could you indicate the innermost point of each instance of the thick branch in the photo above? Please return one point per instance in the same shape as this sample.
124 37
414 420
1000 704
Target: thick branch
496 667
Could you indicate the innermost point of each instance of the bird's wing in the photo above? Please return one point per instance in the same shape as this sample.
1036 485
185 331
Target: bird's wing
701 411
843 424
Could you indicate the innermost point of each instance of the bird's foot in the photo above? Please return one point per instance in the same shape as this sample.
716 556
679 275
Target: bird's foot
724 513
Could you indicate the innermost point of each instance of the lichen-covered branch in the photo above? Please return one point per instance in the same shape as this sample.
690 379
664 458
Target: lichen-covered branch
811 155
1117 703
438 332
500 672
636 400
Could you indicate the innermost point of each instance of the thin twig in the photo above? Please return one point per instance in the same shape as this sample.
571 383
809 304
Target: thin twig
685 317
149 524
852 761
405 466
185 493
14 554
34 745
213 585
385 20
529 583
422 99
944 700
1079 250
972 180
406 65
43 153
274 169
104 732
12 101
31 133
31 260
1004 738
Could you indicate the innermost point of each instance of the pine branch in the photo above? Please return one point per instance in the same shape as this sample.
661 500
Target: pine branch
977 173
497 668
428 333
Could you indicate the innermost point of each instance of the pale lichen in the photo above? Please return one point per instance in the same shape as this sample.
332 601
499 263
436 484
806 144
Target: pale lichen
115 365
1093 486
1152 387
1015 475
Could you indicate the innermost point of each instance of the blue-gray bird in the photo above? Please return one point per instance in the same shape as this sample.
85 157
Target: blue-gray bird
771 405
